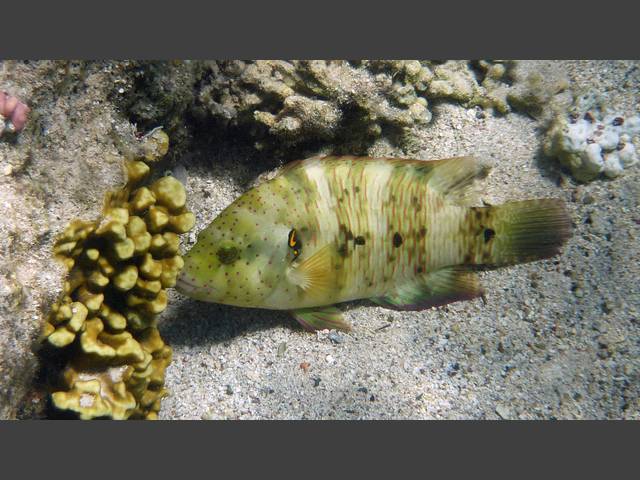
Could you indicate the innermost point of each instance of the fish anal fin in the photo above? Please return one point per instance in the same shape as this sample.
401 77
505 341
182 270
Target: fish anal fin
447 285
321 318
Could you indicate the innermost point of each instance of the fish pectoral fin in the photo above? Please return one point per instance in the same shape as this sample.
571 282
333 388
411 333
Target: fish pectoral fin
313 274
320 318
455 178
434 289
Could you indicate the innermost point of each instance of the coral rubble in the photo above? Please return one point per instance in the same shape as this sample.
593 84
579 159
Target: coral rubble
119 269
591 140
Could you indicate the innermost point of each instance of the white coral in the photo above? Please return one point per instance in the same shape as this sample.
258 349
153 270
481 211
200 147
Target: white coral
591 143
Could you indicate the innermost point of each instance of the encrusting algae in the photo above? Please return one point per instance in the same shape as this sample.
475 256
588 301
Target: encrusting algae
119 269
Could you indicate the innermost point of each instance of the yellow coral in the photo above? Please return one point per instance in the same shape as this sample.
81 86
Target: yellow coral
119 268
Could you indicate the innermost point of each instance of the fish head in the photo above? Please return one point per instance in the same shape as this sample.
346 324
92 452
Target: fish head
239 259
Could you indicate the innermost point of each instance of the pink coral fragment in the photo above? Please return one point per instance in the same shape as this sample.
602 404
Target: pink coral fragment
13 110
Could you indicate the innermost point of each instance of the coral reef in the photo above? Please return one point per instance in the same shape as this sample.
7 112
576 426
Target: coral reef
499 85
58 167
119 269
13 113
161 93
591 140
337 104
302 101
309 101
483 86
537 88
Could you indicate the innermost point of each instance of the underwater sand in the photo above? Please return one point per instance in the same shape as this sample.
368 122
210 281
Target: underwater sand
556 339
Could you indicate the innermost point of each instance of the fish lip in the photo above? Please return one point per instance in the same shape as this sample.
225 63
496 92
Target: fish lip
184 286
192 290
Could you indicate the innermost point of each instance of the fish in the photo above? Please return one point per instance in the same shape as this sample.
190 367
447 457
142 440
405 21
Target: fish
406 234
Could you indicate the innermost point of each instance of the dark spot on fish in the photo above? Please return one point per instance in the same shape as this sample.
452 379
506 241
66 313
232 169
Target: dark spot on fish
617 121
397 239
359 240
349 235
356 189
589 117
489 234
227 255
423 231
420 270
343 250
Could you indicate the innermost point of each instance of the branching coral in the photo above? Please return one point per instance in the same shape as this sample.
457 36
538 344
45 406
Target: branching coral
302 101
360 101
119 269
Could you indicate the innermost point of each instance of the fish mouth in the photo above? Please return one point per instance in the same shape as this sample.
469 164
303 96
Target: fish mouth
184 286
198 292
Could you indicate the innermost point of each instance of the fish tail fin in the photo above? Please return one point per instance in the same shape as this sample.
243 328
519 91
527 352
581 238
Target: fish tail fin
524 231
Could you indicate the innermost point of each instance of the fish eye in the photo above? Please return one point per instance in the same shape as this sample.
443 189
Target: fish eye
294 243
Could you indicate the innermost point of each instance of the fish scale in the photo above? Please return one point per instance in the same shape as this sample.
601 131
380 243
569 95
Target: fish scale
404 233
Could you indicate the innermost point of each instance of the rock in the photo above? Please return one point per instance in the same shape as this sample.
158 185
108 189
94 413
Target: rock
504 411
591 139
335 337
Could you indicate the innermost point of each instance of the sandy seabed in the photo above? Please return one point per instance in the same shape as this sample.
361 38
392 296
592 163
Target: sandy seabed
555 339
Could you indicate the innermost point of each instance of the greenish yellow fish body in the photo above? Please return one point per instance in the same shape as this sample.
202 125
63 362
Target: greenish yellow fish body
406 233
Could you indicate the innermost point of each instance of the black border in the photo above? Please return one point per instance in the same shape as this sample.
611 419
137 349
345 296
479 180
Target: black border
398 29
392 449
191 29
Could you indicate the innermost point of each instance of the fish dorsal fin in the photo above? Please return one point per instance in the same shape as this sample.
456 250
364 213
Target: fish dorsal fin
434 289
320 318
313 274
454 178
